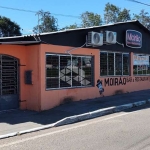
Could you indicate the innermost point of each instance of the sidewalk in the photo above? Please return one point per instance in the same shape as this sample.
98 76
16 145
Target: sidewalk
19 120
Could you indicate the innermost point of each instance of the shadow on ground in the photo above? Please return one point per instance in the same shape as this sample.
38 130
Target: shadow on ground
71 108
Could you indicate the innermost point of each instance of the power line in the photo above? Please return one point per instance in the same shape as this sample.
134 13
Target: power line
37 11
139 2
63 15
18 9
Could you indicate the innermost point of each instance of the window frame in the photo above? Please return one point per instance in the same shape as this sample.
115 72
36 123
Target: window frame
71 87
139 65
114 52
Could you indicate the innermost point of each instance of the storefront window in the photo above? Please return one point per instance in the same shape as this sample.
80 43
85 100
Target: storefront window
126 62
103 64
111 63
63 71
118 64
141 64
52 71
114 63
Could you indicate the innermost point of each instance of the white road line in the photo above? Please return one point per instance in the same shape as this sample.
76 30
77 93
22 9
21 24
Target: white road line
63 130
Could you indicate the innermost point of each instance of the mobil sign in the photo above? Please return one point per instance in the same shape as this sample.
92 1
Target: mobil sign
133 39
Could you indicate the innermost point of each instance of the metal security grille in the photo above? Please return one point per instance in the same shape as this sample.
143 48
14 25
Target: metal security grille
114 63
65 71
8 75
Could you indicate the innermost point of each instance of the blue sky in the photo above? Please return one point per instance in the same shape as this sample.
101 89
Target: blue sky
28 20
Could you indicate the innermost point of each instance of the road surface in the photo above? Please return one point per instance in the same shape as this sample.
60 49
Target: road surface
128 130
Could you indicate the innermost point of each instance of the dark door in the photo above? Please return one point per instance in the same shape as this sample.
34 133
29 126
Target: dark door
9 97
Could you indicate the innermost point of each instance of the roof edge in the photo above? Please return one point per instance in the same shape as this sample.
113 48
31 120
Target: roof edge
68 30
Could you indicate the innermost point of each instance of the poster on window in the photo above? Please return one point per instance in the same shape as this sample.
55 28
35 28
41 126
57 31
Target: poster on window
140 59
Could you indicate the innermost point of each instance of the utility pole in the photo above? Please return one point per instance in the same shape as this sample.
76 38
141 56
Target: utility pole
38 23
38 13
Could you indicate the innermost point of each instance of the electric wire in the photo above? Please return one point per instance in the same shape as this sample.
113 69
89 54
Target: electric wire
31 11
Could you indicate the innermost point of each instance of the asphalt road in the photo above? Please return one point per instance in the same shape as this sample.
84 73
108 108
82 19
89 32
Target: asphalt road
128 130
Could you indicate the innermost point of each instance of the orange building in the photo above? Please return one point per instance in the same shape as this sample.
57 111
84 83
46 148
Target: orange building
39 72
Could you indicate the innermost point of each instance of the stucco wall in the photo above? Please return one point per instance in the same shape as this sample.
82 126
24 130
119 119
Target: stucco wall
52 98
33 91
28 60
36 97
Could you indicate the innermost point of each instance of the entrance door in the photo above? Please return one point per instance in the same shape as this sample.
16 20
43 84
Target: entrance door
9 97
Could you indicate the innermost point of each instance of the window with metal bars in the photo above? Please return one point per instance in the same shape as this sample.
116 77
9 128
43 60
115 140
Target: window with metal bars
114 63
141 64
65 71
8 75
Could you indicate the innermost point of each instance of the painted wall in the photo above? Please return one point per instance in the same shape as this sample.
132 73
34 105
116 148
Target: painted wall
125 84
29 59
36 97
52 98
112 85
119 85
33 91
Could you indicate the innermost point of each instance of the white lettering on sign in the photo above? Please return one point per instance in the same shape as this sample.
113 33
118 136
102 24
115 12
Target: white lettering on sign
133 39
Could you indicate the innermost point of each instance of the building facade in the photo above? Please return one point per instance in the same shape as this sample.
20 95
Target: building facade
39 72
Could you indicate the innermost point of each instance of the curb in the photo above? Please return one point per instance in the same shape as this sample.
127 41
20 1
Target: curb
82 117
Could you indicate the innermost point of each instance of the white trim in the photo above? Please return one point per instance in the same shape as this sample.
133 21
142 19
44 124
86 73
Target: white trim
114 64
75 55
73 87
114 76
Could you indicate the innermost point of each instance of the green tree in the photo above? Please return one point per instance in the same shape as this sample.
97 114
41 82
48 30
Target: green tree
73 26
144 18
124 15
89 19
111 13
8 27
47 23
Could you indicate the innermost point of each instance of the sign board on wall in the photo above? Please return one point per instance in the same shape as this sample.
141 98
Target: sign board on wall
133 39
140 60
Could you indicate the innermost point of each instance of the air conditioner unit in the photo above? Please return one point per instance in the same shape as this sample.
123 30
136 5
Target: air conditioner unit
95 39
110 37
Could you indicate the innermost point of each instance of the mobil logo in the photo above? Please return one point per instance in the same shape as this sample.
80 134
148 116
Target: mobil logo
133 39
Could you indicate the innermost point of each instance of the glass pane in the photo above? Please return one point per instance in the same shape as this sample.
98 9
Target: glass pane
126 64
135 67
52 71
76 71
61 72
140 69
52 82
65 71
143 64
144 69
110 63
103 64
148 69
118 64
86 72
